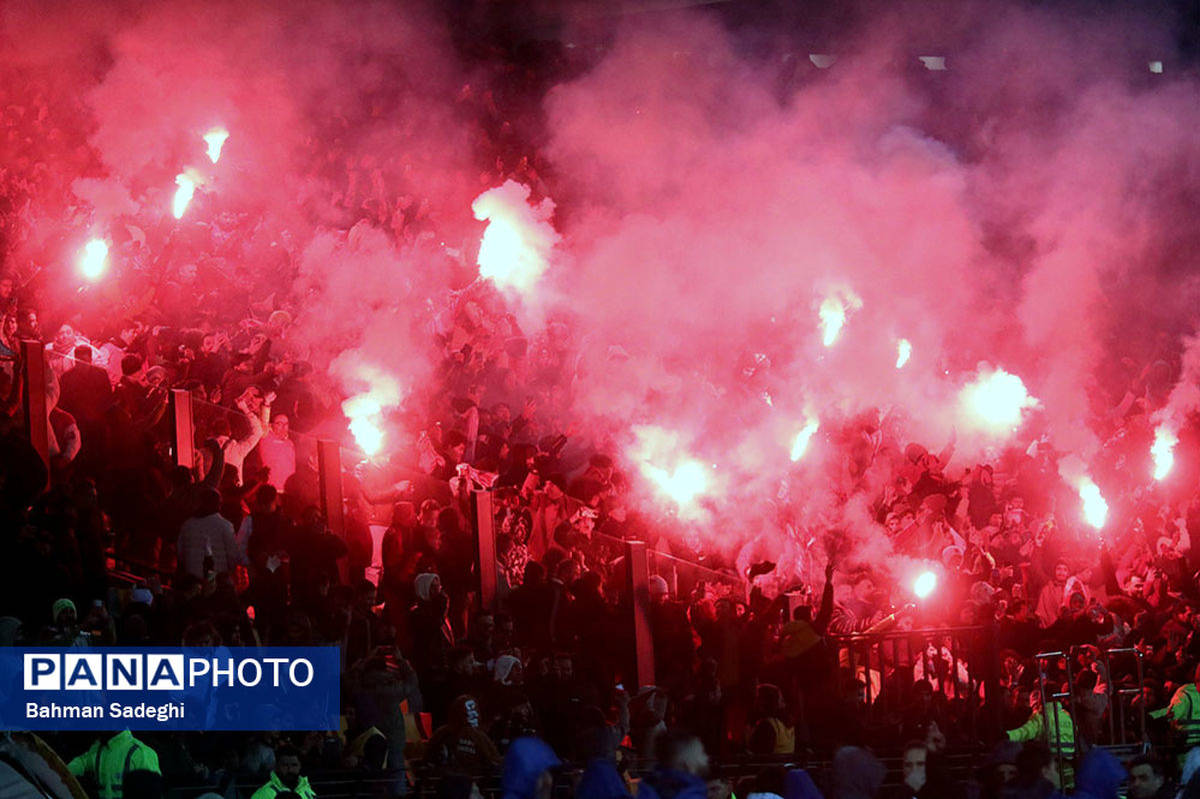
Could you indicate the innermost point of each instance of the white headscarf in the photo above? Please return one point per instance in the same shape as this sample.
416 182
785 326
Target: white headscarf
424 584
503 668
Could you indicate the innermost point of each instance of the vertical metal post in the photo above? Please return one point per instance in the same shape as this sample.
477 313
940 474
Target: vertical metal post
329 464
485 546
37 420
638 576
183 430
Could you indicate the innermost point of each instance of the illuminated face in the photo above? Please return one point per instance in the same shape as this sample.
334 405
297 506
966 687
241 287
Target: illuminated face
6 288
209 344
10 326
288 769
279 425
915 761
1143 782
1061 573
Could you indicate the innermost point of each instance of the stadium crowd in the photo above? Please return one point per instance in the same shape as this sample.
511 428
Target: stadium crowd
127 548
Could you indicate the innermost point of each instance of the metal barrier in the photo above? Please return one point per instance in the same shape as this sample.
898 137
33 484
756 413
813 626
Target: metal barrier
888 665
1119 703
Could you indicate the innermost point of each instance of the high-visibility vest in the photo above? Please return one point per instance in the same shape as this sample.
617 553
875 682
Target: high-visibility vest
109 761
1185 714
1060 736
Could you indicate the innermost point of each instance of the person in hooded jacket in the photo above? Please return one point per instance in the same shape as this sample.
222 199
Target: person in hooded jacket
1037 774
1099 776
601 780
681 766
857 774
460 745
527 770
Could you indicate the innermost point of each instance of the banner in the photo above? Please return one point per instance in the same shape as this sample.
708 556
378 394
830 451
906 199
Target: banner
170 688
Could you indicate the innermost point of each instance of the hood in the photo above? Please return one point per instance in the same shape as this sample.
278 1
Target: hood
600 780
527 758
1099 776
857 774
503 667
798 785
422 585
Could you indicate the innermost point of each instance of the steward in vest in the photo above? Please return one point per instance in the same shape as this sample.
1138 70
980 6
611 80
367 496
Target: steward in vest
1052 726
107 763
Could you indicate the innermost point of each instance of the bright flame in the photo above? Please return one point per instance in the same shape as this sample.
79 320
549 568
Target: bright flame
800 444
365 410
683 485
903 352
516 246
1095 509
832 312
661 459
924 584
94 260
367 434
215 139
183 195
997 399
1163 451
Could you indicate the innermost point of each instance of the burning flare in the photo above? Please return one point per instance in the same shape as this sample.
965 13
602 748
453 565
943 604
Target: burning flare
94 261
183 195
1095 509
903 352
925 583
365 410
1163 451
683 485
215 139
519 238
833 311
682 480
800 444
996 399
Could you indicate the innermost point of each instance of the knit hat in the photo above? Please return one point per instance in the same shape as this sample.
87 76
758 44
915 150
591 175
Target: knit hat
61 605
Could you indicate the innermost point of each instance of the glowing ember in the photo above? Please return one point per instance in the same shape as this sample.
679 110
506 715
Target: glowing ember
95 259
1095 509
183 195
997 399
215 139
903 352
516 245
800 445
924 585
1163 451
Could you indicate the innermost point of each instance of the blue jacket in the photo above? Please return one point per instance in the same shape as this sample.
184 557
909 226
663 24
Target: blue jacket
1099 776
600 780
671 784
798 785
527 758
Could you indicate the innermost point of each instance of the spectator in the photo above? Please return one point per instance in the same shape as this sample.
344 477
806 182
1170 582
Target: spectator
286 777
206 542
